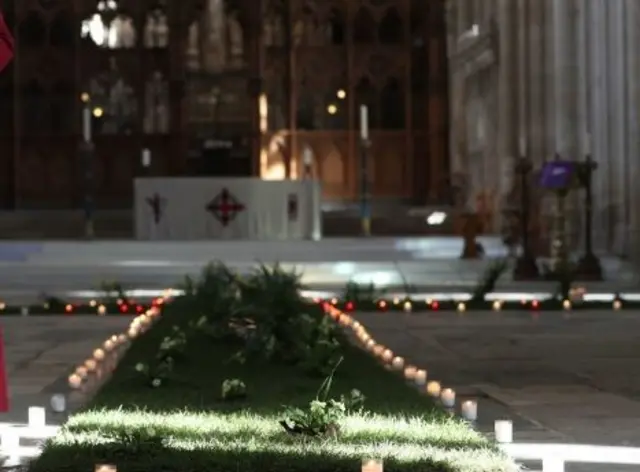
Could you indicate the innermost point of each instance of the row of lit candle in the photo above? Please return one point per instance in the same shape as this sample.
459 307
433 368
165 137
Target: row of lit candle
89 375
497 305
412 374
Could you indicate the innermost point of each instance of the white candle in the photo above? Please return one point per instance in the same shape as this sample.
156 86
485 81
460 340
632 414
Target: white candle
410 372
503 431
372 465
146 158
397 363
364 122
86 124
434 389
448 397
470 410
387 355
377 350
37 417
421 377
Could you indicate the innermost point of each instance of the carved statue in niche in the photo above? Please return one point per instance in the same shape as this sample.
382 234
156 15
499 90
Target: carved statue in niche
236 41
307 31
273 31
193 47
156 30
156 110
214 43
117 98
99 27
122 33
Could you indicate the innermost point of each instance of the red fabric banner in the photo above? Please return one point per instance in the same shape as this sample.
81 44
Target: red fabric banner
6 44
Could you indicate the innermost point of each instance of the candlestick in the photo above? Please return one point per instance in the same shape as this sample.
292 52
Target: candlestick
470 410
86 124
448 397
364 123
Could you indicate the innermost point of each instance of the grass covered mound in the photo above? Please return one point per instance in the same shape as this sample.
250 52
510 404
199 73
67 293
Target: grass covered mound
243 375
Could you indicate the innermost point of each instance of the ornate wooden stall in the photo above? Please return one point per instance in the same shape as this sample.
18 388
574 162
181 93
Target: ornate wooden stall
277 81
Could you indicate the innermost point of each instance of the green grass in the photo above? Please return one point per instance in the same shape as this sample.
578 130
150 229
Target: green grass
184 425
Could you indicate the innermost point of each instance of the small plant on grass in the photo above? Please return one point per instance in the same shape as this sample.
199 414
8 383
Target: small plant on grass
158 373
173 345
323 414
233 389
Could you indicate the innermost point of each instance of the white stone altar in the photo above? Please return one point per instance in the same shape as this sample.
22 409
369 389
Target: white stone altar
195 208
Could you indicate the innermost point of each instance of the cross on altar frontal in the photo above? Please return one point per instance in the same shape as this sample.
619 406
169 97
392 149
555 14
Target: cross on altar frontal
225 207
199 208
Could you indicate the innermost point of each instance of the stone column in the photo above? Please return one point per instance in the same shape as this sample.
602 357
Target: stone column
633 174
565 77
523 78
535 79
599 123
618 115
507 115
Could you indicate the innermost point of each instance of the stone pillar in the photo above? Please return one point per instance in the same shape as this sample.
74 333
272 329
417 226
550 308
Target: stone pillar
523 78
507 115
599 84
633 174
565 77
535 81
618 116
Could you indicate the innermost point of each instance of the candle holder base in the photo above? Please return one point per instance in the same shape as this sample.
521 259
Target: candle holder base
526 268
589 268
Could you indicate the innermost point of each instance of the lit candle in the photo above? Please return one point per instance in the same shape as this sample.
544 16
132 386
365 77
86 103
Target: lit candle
387 355
75 381
470 410
98 354
462 307
370 344
397 363
503 431
378 350
364 123
497 305
421 377
407 306
91 365
86 123
105 468
448 397
145 158
433 389
410 372
372 465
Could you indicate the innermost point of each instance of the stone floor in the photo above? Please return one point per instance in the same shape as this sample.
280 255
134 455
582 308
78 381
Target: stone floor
568 377
40 353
